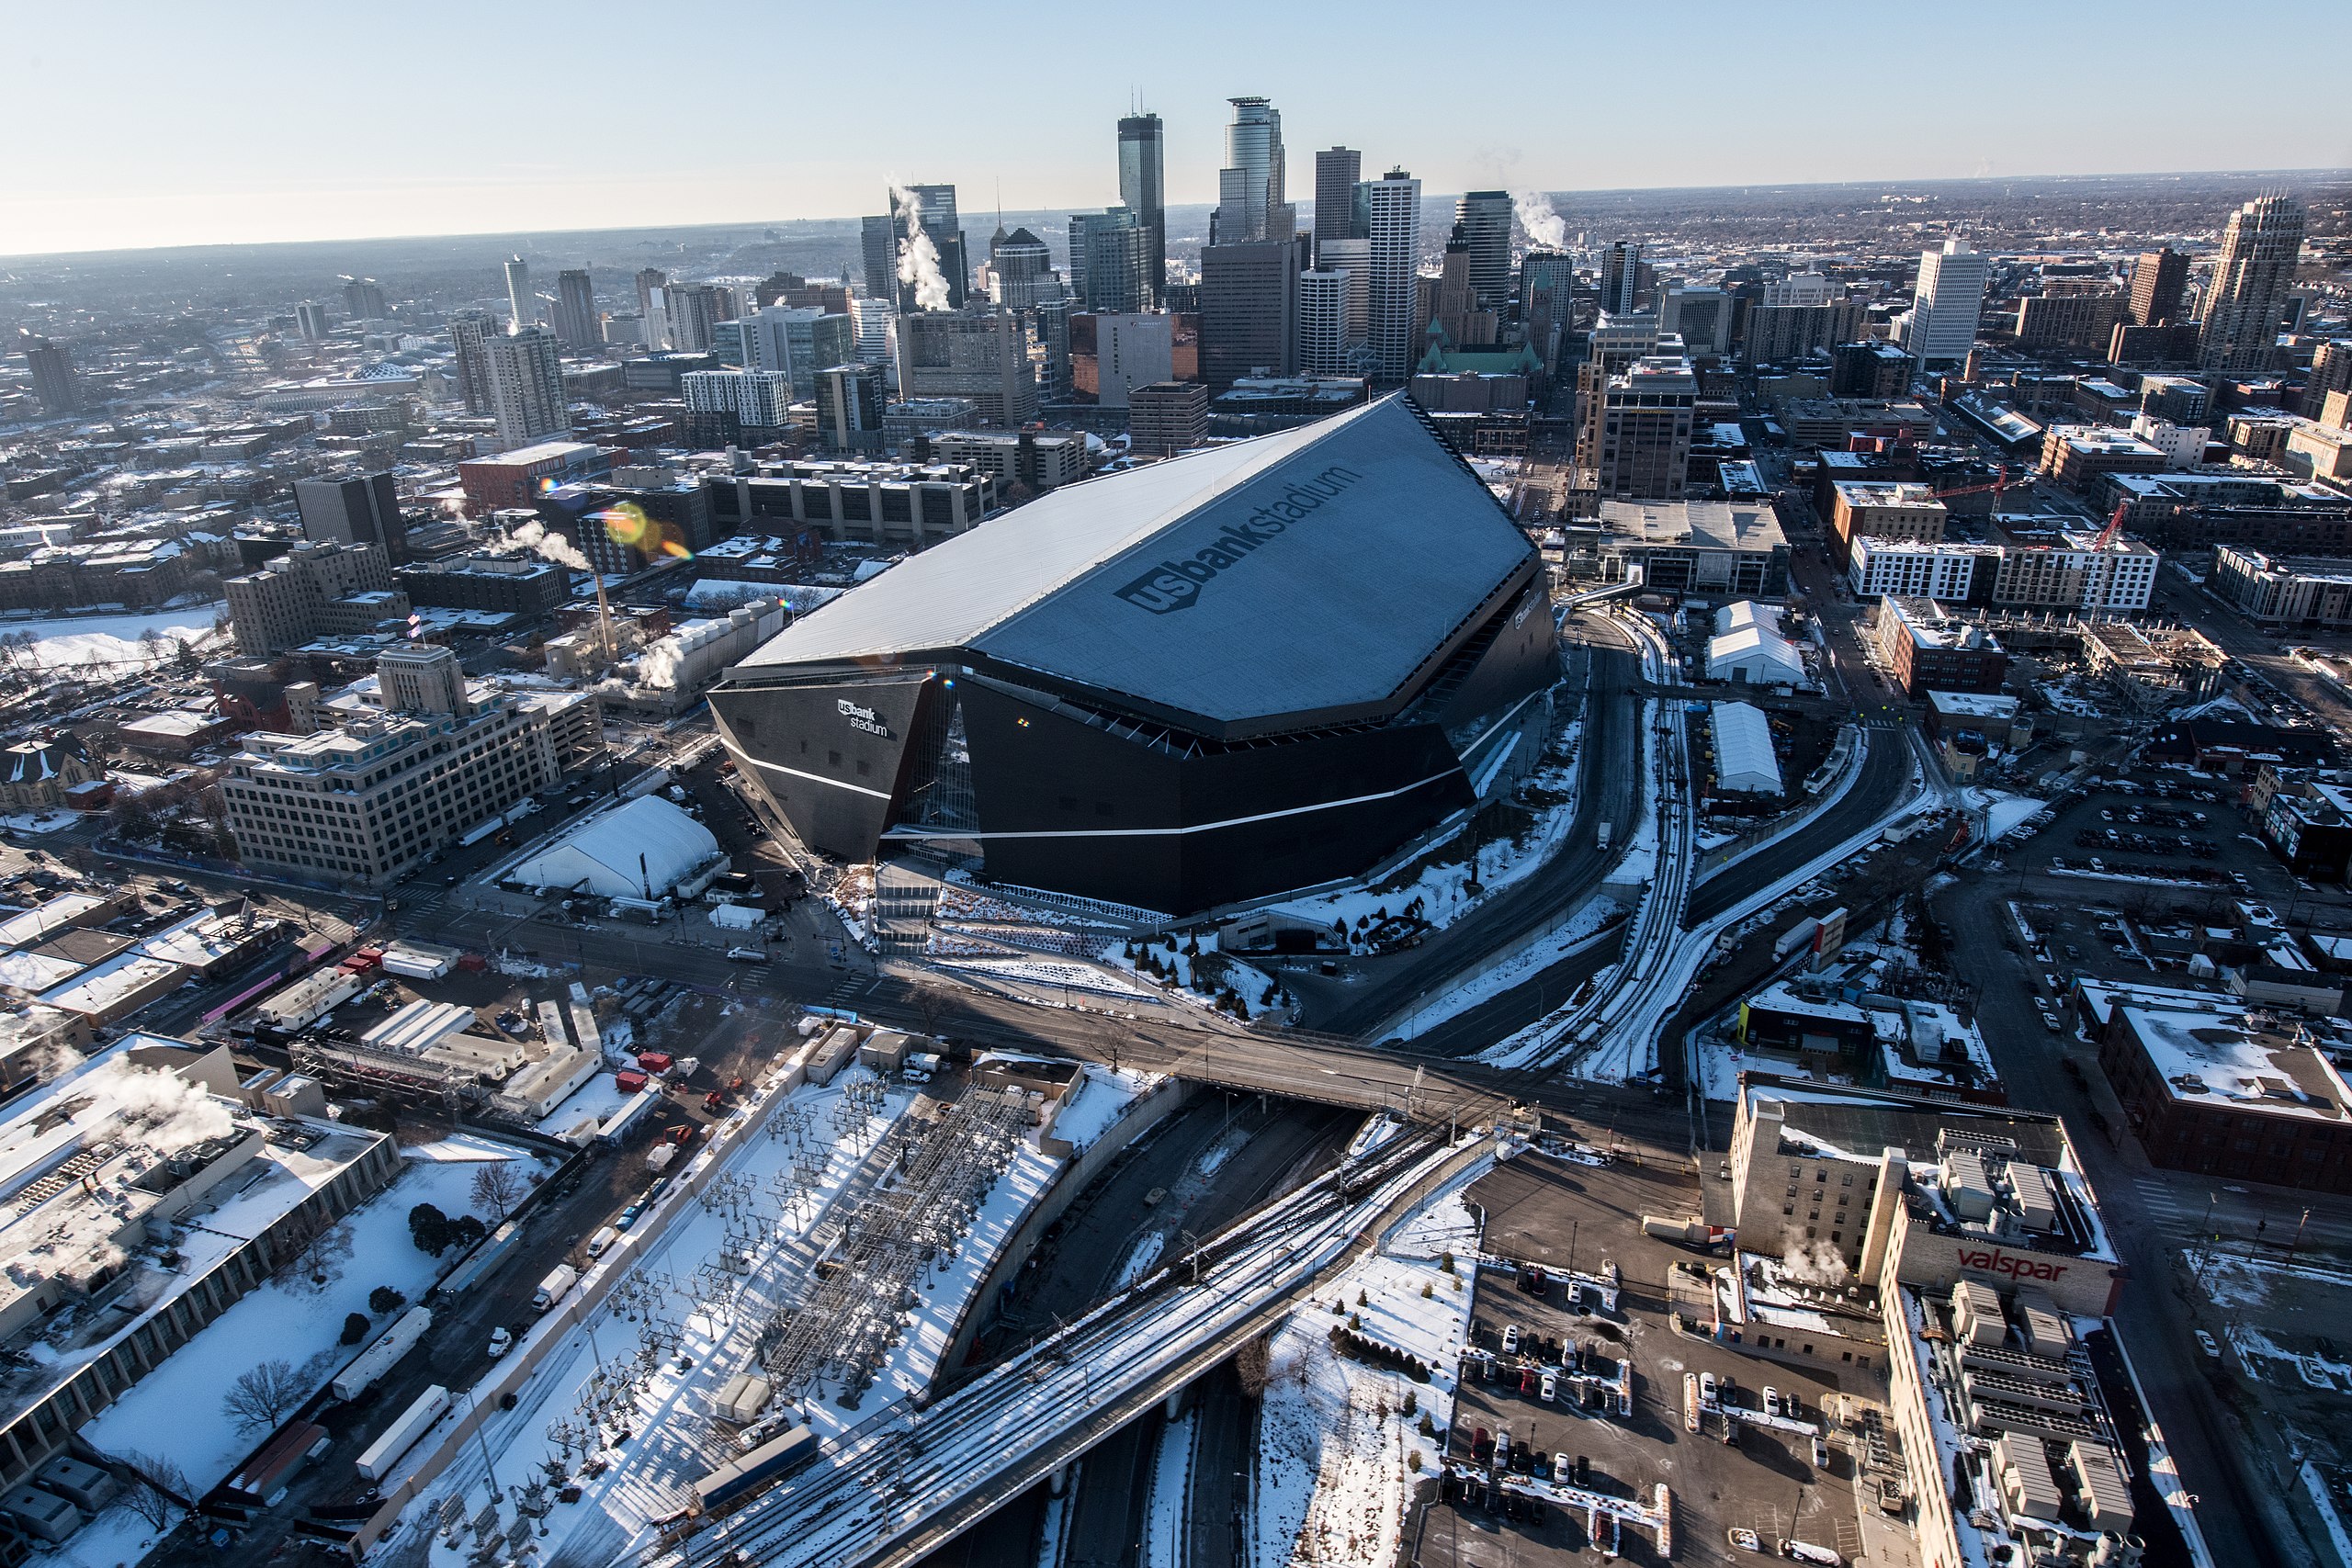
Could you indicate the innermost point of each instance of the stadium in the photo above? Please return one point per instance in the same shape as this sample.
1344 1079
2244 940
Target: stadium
1261 667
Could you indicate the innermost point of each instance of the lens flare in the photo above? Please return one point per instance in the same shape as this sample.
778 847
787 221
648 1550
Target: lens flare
627 524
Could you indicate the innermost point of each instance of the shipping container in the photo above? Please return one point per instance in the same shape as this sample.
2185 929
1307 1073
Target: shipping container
765 1465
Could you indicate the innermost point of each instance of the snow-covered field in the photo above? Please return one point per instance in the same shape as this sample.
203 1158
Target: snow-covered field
115 639
1336 1448
175 1412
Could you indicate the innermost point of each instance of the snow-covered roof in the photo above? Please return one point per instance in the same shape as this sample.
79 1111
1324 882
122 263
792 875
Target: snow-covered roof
2226 1062
646 844
1764 656
1742 613
1744 759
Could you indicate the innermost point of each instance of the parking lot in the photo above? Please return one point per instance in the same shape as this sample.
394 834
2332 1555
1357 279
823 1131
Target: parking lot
2159 829
1573 1221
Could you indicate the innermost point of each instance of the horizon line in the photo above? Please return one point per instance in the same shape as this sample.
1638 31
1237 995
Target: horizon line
2305 174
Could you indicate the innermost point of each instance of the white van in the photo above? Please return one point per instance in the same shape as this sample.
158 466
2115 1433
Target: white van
601 1240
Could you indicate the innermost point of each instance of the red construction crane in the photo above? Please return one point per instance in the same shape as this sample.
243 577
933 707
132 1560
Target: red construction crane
2000 482
2114 527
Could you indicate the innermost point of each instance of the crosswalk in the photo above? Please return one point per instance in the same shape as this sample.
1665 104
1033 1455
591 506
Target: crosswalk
2158 1200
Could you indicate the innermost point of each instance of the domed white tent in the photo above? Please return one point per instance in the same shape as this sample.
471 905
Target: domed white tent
642 849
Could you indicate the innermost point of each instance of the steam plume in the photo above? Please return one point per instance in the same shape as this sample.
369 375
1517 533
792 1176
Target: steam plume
534 537
919 258
1543 226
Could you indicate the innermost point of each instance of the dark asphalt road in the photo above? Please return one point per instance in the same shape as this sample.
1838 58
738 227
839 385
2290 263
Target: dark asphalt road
1886 772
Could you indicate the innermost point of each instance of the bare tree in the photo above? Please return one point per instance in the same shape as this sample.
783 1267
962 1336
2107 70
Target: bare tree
1254 1365
264 1396
157 1486
317 1258
497 1188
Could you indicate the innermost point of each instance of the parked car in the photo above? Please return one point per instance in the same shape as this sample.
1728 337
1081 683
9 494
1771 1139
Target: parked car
501 1338
2206 1343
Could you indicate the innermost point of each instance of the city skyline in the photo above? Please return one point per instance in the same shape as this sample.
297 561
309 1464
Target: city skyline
176 165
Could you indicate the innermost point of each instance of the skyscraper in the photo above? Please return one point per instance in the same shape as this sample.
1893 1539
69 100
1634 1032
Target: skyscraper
1251 203
850 399
1143 190
1483 217
364 509
878 247
1021 270
1621 277
526 387
1249 310
363 299
931 209
54 383
650 280
469 336
311 318
2158 279
1393 224
1337 170
694 314
1330 316
1945 305
575 310
2250 281
522 309
1111 261
980 353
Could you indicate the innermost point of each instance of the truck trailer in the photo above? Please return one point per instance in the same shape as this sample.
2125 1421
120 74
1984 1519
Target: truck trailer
738 1480
402 1434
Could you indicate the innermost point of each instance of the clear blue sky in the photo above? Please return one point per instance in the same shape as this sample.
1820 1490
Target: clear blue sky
150 124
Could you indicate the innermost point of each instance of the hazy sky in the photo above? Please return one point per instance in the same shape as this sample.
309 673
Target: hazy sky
153 124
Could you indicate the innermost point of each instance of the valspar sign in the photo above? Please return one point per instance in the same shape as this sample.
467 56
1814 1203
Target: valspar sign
1176 582
1933 1262
2010 1266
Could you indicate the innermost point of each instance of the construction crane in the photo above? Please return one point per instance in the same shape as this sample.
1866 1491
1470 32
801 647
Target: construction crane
2114 526
2000 482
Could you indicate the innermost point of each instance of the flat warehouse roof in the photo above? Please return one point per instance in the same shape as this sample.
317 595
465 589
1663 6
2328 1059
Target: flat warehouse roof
1313 570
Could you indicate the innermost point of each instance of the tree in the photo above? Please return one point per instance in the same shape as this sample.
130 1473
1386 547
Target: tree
264 1396
429 1228
497 1188
1253 1364
157 1486
318 1256
384 1299
355 1327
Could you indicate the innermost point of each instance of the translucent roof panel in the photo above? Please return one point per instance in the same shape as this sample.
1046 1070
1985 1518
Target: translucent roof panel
1318 569
603 854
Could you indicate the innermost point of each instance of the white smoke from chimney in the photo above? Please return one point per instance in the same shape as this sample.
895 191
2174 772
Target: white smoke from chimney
534 537
1543 226
1814 1263
659 666
169 1111
919 257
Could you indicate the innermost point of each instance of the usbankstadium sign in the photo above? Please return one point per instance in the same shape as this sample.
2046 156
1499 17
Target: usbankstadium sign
1176 583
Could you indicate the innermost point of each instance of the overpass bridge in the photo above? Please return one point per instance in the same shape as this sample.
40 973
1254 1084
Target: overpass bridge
913 1477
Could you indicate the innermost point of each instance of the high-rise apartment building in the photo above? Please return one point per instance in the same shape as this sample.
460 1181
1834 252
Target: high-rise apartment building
1338 172
1615 345
874 316
521 309
1332 303
364 509
1249 310
2251 277
932 209
2159 281
313 320
1621 277
312 591
363 299
2331 372
575 310
797 344
1798 291
54 383
1646 420
651 281
981 354
1143 190
755 400
471 332
850 400
1251 204
692 313
1484 219
1393 224
1946 303
526 387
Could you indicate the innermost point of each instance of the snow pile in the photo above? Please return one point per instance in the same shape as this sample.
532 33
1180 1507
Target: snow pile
1336 1448
116 640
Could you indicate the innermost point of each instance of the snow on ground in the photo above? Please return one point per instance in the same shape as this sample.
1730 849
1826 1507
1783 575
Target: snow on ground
1335 1448
1440 887
175 1412
1140 1258
39 822
1089 1113
114 1539
2325 1506
1163 1540
1044 972
113 639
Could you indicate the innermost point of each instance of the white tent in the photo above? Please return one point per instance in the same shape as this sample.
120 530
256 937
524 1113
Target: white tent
1741 614
1757 655
642 849
1744 759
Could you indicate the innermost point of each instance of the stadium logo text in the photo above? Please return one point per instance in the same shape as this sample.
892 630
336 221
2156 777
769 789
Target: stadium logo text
864 719
1176 584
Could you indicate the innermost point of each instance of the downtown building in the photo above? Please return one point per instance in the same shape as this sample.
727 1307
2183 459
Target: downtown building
1174 687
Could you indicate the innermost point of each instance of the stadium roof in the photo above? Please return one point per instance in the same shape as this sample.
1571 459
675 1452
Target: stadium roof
602 855
1318 568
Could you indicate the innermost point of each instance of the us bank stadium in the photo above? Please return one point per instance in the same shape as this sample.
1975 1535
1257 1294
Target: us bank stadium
1257 668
